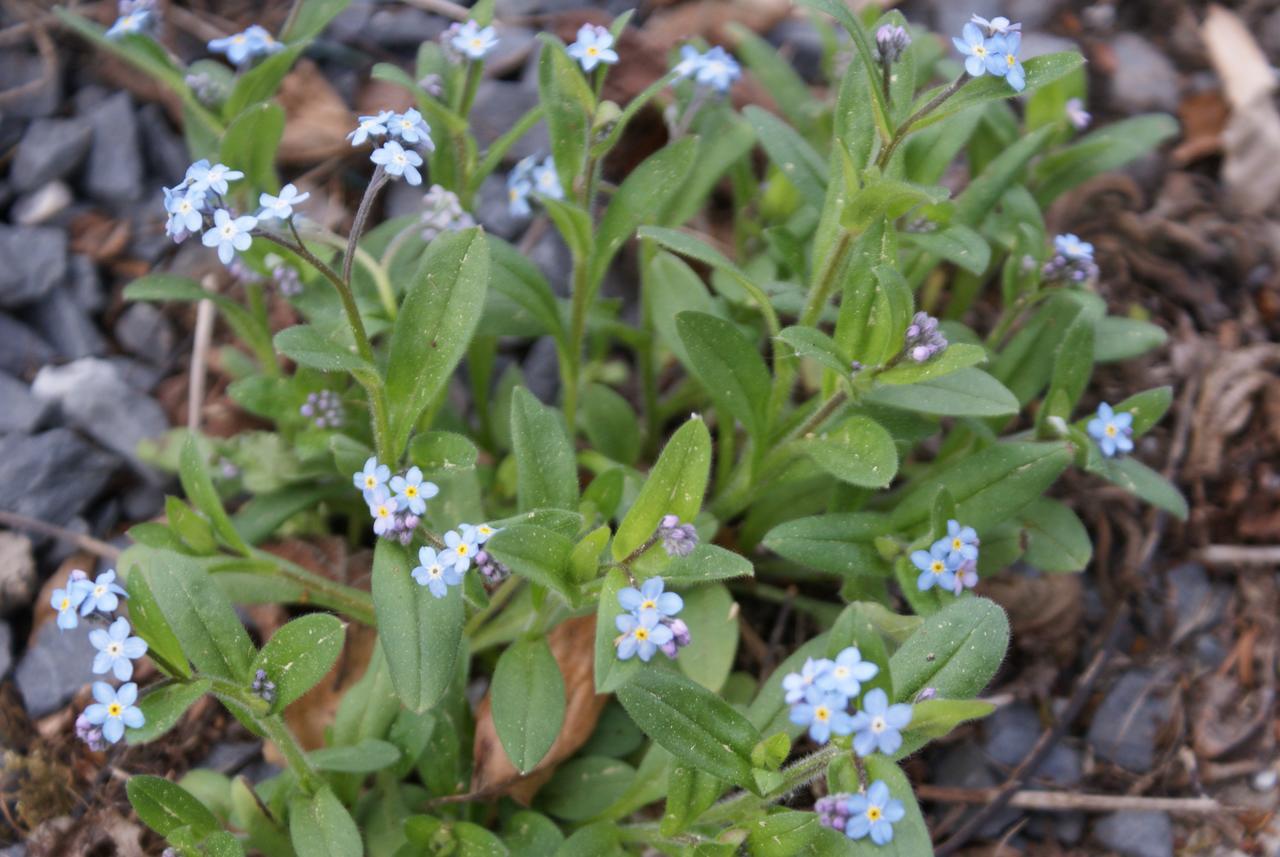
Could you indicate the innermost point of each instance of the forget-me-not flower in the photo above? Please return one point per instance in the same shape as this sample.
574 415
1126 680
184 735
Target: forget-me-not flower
372 477
961 543
460 549
185 208
412 128
66 602
103 594
1077 115
1002 60
718 70
874 813
878 726
241 47
370 126
796 685
412 492
847 673
936 567
997 26
594 46
473 41
434 573
641 636
1072 247
133 23
1112 430
823 711
114 709
973 44
205 176
280 207
382 506
116 649
229 234
478 533
546 180
398 161
649 601
520 186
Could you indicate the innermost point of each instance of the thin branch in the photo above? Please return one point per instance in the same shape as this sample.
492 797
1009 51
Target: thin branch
1048 801
80 540
1240 555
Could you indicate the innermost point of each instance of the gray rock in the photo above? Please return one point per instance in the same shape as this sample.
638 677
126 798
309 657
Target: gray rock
144 331
518 8
1063 767
799 41
114 174
51 149
1038 44
553 258
515 44
493 211
21 69
1032 14
1197 604
51 476
142 502
17 573
402 28
64 324
20 411
1271 34
33 259
95 399
137 374
1136 834
42 204
6 651
1126 724
1011 731
18 850
21 348
229 757
541 369
965 766
1144 79
499 103
167 155
55 667
403 198
85 284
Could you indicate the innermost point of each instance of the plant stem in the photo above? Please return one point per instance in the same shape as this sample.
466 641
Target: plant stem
577 333
354 603
379 179
796 775
294 756
821 290
905 128
504 593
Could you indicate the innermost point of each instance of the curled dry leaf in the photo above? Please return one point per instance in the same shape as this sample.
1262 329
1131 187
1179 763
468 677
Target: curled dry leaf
1044 612
572 643
316 119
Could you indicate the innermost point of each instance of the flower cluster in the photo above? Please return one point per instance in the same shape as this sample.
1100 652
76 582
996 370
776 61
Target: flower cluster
593 47
859 815
104 721
677 539
263 687
324 409
650 623
951 562
716 69
892 42
395 131
285 276
819 694
244 47
924 340
136 17
443 213
1113 431
396 504
439 569
991 47
1072 261
469 40
531 176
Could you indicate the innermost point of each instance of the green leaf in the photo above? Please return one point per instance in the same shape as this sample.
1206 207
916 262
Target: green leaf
779 78
858 451
692 722
528 702
841 544
1142 482
959 245
963 393
568 103
729 368
956 651
366 757
163 706
519 281
260 82
1072 368
421 634
674 288
536 554
1040 71
791 153
1108 148
1056 538
149 621
594 840
1117 338
796 834
958 355
675 486
442 451
320 826
311 17
532 834
547 472
198 486
1147 407
710 613
251 141
585 787
574 225
690 792
610 423
441 309
977 200
708 562
165 807
305 345
935 718
299 654
816 345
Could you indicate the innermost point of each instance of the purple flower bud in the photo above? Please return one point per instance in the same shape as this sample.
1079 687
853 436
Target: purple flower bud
669 522
91 735
926 693
677 539
78 574
680 632
891 42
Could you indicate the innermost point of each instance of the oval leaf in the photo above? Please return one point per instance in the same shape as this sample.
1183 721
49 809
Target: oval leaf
528 702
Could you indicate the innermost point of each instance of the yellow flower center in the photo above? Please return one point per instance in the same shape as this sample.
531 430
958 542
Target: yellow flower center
840 672
411 491
822 713
477 43
99 590
648 605
64 604
593 51
1110 430
384 511
370 482
114 709
462 550
1010 59
873 813
937 566
642 634
980 51
956 543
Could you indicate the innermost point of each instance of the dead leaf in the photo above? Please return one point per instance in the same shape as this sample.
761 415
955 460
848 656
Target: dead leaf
1204 118
316 118
573 645
1044 612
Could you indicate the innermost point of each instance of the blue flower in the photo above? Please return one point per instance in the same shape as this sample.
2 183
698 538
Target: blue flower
229 234
185 208
690 60
998 25
103 594
973 44
370 126
936 569
412 128
718 70
398 161
479 533
594 46
961 544
1002 60
1077 115
241 47
472 41
649 601
372 477
519 186
412 492
281 207
461 548
1072 248
966 577
205 176
134 23
824 713
1113 431
878 726
383 509
546 180
874 813
66 601
116 649
797 685
114 709
640 636
434 573
847 673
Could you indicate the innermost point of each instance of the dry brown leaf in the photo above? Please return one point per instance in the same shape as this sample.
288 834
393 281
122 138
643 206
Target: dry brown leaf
1044 612
710 18
1204 118
316 118
573 645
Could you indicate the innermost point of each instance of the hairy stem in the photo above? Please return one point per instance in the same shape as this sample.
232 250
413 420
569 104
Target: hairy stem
379 179
905 128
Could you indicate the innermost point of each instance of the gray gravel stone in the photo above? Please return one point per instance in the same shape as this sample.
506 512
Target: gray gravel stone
138 375
85 284
800 42
1136 834
21 348
114 174
95 399
402 28
499 103
553 258
1126 724
1198 605
144 331
228 757
51 149
42 204
167 155
64 324
541 369
1011 732
965 766
1144 79
493 211
51 476
1038 44
6 649
21 411
55 667
33 259
17 573
20 69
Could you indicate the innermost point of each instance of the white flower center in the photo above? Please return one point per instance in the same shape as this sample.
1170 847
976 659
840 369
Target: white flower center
878 725
1110 430
113 648
99 590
